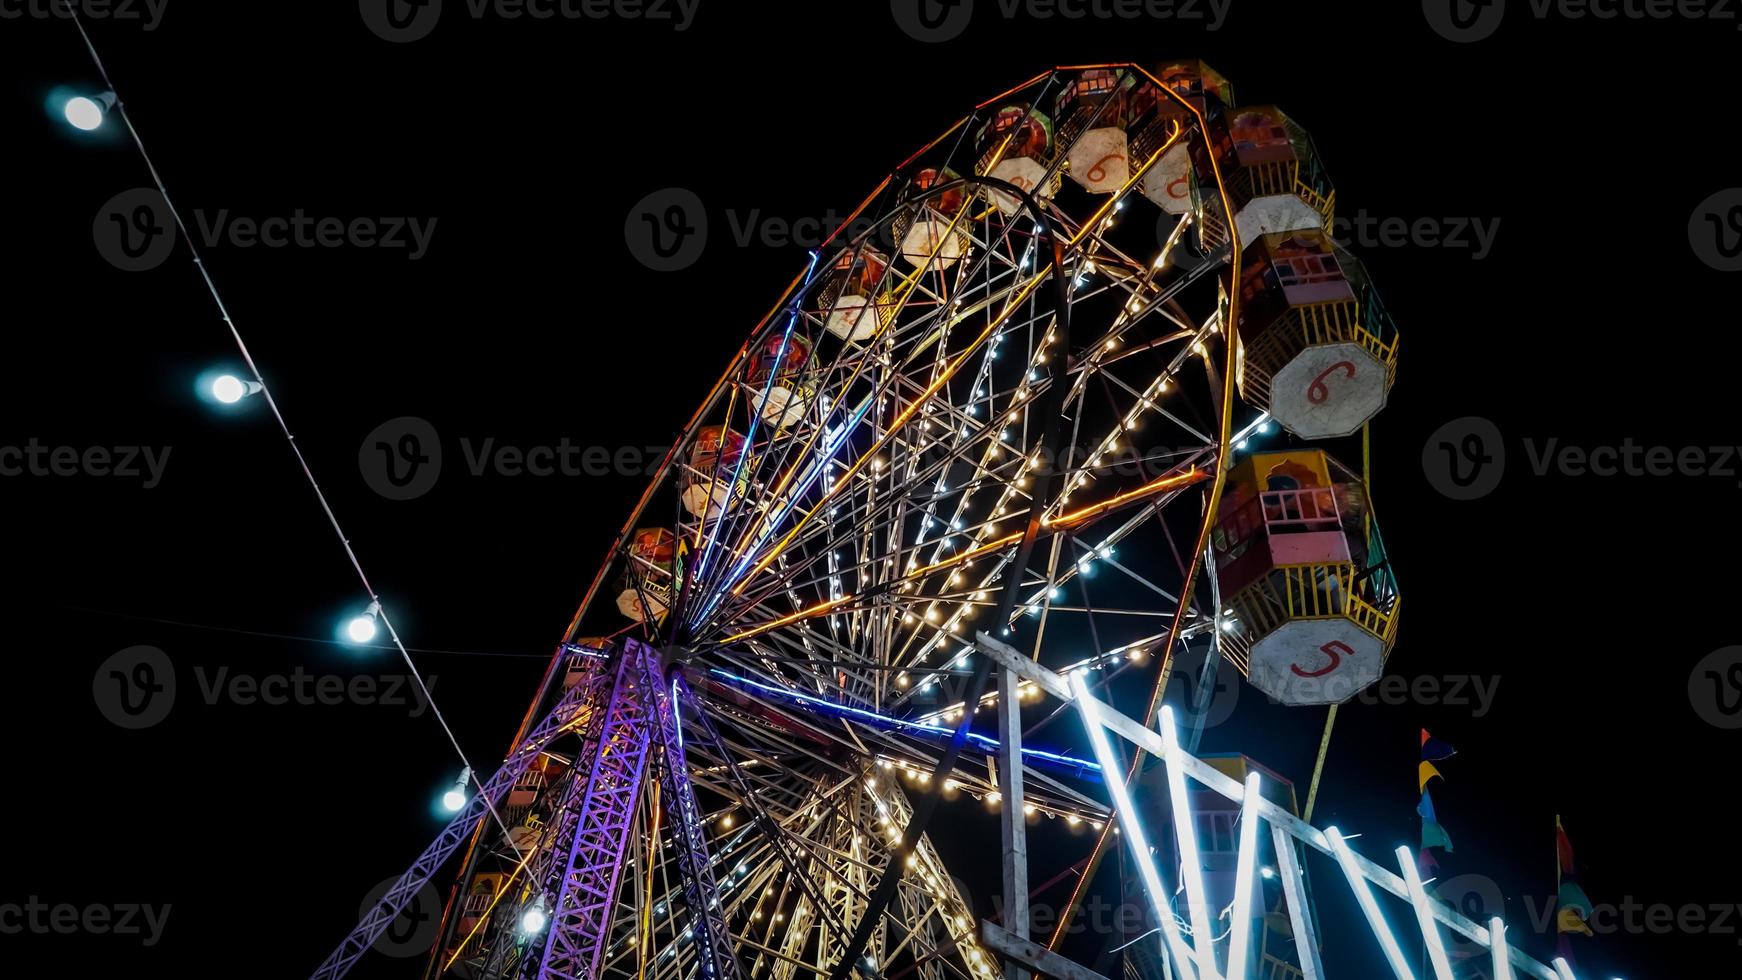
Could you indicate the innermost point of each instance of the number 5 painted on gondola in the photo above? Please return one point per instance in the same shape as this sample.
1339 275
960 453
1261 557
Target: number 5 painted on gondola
1335 650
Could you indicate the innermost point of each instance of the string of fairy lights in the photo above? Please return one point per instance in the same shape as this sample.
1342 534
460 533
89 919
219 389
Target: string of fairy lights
90 112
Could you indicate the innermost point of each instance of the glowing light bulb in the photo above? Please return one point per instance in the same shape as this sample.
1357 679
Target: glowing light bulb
229 389
86 113
534 919
454 800
362 629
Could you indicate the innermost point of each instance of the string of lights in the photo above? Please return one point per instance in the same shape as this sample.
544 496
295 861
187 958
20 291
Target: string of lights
88 113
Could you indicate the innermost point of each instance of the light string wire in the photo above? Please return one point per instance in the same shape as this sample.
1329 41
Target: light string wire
120 108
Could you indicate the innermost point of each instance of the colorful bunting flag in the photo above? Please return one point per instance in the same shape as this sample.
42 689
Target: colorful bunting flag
1575 905
1425 773
1434 750
1432 834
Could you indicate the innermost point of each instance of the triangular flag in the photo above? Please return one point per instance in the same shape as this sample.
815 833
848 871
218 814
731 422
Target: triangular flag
1433 835
1569 920
1573 898
1434 750
1426 865
1563 848
1426 807
1426 772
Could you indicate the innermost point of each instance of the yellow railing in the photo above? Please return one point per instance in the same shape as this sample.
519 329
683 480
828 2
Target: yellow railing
1271 179
1315 591
1338 322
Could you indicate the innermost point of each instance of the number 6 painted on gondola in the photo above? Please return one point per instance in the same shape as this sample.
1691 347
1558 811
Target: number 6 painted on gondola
1335 650
1098 172
1317 392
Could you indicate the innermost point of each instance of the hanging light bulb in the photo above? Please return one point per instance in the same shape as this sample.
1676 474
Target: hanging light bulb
229 389
86 112
533 920
362 629
454 800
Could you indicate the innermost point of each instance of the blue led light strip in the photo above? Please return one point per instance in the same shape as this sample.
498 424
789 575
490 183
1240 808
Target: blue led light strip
750 436
864 714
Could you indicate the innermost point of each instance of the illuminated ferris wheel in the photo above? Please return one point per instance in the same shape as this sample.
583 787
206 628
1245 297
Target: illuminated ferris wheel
1037 400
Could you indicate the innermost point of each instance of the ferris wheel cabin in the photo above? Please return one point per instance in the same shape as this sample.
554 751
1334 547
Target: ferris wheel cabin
1317 350
707 480
1016 146
653 576
933 232
855 299
1310 600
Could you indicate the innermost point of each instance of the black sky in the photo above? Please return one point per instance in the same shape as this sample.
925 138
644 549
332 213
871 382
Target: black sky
1587 600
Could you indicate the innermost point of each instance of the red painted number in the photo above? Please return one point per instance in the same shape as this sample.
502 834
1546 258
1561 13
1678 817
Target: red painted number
1335 650
1317 392
1098 172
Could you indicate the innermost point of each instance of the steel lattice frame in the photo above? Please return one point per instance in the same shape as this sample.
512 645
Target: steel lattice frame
849 556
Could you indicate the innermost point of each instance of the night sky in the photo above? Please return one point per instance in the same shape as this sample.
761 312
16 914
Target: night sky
1550 175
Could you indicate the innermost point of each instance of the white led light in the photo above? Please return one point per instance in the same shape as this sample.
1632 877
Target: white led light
1369 908
1424 915
1133 830
1240 937
1497 945
1191 862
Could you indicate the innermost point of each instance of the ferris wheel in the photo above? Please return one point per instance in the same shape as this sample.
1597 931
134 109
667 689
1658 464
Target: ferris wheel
1036 399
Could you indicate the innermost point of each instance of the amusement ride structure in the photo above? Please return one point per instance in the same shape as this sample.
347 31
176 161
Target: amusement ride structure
985 462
